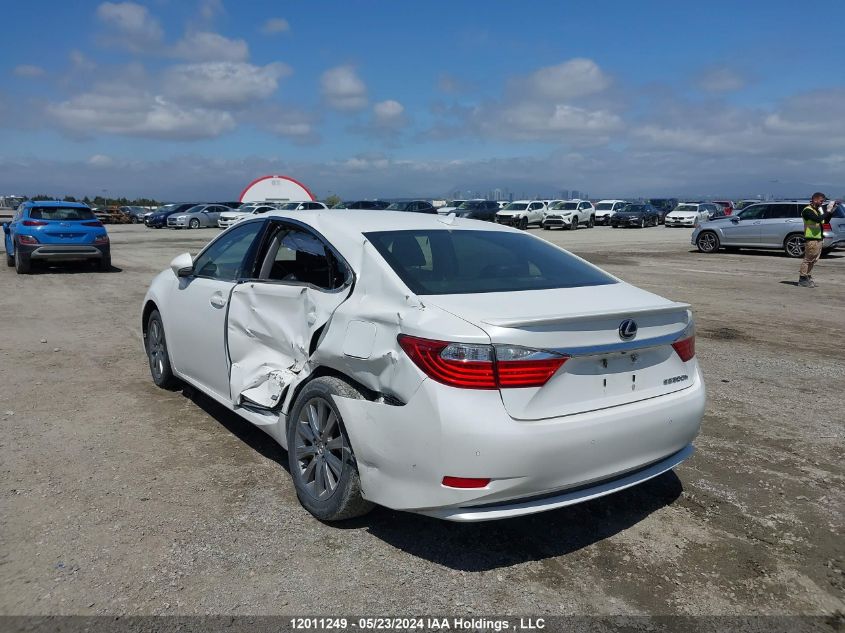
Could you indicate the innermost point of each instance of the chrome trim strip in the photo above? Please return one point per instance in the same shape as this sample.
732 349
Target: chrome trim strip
621 346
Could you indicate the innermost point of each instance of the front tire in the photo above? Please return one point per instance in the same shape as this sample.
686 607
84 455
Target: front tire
707 242
194 224
793 245
157 353
323 467
574 224
523 224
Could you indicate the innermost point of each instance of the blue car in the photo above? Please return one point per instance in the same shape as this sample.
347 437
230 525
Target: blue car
158 220
55 231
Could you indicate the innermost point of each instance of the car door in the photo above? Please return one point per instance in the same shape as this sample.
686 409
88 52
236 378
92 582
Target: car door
535 212
778 221
195 317
212 214
744 228
275 319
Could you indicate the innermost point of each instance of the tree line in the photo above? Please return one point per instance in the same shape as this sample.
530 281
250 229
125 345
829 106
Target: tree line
100 201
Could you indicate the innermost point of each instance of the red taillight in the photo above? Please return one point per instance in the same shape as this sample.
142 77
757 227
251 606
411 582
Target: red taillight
527 373
28 239
33 223
685 348
473 366
94 223
428 356
101 239
827 227
465 482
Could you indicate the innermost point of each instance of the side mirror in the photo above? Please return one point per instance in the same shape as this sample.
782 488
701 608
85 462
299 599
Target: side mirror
735 219
6 228
182 265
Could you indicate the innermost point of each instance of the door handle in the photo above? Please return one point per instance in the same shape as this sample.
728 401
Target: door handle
217 300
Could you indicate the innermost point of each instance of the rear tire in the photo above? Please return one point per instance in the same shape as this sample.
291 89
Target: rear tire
157 354
23 264
707 242
10 260
322 464
105 263
592 222
793 245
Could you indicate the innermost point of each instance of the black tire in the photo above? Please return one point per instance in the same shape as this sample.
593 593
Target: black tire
826 252
793 245
10 260
574 224
707 242
592 222
23 264
105 263
155 343
344 500
134 220
545 227
194 224
523 224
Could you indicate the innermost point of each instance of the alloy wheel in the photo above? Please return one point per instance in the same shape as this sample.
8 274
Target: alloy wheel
156 349
707 242
795 246
319 448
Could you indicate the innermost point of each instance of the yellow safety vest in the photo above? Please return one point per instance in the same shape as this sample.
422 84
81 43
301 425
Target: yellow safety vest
813 228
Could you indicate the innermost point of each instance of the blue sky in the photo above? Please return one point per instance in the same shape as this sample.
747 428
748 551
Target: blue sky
192 99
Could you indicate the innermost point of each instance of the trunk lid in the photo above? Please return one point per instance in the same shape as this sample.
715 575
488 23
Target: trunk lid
603 369
64 232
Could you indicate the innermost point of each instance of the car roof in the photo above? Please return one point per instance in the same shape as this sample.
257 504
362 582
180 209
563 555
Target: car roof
54 203
611 200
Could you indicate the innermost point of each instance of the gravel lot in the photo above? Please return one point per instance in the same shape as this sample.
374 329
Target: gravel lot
120 498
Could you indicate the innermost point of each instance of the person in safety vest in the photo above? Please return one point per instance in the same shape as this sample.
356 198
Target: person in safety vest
814 219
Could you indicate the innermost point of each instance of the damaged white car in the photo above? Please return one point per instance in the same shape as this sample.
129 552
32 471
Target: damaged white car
449 367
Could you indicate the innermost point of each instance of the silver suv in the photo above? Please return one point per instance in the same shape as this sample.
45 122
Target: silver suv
770 225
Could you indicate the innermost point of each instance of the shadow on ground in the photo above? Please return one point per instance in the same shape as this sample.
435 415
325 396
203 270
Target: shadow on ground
489 545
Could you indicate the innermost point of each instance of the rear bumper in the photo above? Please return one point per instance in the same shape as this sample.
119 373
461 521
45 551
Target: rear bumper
404 452
64 252
831 242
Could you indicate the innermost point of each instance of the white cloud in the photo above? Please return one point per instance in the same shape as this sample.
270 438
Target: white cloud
28 70
209 9
224 83
388 112
720 80
118 110
205 46
569 80
79 61
343 89
100 160
273 26
130 25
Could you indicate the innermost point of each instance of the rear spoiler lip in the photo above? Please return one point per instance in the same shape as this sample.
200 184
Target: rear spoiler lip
517 322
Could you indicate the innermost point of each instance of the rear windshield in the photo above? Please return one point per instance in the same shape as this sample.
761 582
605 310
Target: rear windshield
635 208
442 262
687 207
604 206
61 213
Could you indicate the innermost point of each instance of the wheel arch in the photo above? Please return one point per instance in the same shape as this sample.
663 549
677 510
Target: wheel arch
149 306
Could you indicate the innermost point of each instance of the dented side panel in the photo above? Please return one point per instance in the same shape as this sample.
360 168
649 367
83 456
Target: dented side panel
269 331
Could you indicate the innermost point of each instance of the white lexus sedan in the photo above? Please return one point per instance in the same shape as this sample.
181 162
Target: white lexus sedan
449 367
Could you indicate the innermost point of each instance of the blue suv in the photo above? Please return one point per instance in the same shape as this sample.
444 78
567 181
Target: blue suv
55 231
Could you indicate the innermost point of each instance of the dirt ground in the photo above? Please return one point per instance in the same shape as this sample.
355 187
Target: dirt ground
120 498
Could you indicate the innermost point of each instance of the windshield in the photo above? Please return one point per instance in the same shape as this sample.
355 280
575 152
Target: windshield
439 262
263 210
455 203
396 206
565 206
289 206
686 207
604 206
516 206
470 205
61 213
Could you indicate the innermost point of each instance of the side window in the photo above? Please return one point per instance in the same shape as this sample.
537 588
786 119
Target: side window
224 259
297 256
779 211
754 212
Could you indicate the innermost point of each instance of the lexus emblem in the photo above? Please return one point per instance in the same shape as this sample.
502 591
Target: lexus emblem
627 329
